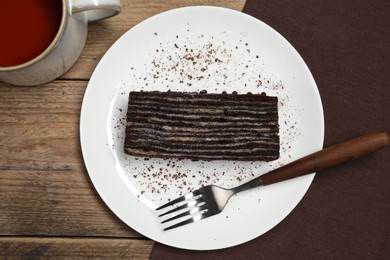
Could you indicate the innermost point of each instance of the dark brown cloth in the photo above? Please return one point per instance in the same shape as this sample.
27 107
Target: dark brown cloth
346 212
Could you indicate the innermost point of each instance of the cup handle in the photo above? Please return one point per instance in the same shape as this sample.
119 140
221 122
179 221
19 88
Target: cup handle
96 9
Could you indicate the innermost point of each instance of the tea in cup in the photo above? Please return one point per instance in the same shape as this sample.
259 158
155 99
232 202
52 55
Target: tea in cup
42 39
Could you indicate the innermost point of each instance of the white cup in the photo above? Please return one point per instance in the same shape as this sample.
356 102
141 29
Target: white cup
67 45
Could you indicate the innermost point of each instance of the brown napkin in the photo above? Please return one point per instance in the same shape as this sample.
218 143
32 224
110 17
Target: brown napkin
346 212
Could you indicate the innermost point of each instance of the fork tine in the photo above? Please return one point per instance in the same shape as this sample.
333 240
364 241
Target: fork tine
180 199
186 205
186 213
188 221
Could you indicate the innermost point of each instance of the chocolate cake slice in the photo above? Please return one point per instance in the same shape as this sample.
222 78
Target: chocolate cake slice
202 126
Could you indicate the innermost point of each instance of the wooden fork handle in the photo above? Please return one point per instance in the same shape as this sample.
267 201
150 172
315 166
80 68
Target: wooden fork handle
328 157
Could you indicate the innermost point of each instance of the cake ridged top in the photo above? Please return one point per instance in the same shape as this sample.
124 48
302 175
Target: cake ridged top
202 126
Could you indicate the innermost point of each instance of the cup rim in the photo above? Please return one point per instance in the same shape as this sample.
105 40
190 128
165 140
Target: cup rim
48 49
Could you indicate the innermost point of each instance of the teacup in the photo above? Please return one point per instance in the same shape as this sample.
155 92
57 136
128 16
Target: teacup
42 39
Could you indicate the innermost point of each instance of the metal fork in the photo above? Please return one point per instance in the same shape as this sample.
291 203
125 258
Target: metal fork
211 200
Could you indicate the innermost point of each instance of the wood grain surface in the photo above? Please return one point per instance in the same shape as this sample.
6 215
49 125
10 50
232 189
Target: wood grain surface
48 206
75 248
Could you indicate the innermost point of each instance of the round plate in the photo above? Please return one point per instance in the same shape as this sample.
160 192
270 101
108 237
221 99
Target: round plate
194 49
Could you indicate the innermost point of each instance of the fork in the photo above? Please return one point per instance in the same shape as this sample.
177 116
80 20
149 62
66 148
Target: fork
211 200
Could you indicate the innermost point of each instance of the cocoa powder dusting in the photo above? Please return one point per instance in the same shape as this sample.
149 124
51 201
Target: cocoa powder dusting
211 62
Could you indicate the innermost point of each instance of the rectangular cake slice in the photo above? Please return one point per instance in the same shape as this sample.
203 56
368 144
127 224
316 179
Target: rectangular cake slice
202 126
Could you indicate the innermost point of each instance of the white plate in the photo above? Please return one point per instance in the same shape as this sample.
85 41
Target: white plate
191 49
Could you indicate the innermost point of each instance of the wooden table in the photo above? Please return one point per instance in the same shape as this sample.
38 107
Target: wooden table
48 206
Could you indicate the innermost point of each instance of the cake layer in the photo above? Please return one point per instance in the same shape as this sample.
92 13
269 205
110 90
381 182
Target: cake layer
202 126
